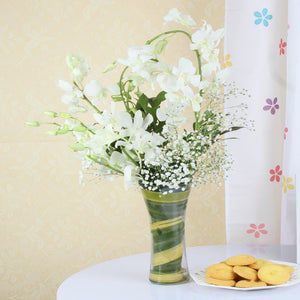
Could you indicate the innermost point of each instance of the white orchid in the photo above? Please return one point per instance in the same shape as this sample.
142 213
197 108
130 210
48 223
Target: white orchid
186 74
138 57
72 95
78 66
175 15
205 40
135 136
95 90
194 99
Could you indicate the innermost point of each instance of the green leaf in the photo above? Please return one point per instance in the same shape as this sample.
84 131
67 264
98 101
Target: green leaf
143 103
158 99
234 128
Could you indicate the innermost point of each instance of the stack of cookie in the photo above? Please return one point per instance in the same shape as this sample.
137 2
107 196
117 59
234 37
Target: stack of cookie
246 271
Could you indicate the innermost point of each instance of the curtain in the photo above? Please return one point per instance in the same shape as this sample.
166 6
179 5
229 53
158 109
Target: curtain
261 47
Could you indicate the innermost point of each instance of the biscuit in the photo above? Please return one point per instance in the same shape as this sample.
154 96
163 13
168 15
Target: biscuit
289 268
220 282
220 271
245 272
273 274
259 263
249 284
240 260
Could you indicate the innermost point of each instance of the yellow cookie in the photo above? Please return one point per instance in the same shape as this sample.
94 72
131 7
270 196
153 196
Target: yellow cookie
259 263
249 284
245 272
273 274
289 268
240 260
220 271
220 282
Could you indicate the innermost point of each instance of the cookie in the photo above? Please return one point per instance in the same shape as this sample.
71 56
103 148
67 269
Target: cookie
220 282
259 263
249 284
245 272
289 268
240 260
273 274
220 271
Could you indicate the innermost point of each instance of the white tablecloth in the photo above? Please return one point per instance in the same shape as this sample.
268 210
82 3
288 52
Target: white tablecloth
127 278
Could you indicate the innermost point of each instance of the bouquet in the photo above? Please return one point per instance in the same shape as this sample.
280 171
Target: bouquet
160 125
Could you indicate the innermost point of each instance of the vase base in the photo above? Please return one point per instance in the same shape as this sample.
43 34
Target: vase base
171 278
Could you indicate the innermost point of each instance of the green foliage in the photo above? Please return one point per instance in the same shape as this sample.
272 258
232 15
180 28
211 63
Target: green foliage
150 106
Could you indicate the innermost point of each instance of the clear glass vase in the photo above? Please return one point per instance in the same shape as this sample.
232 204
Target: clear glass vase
168 253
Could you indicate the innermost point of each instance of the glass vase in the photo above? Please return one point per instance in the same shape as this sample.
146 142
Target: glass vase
168 253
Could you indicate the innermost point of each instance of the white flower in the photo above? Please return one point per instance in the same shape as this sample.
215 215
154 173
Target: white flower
72 95
195 99
206 40
160 115
222 75
65 86
135 136
94 90
114 89
185 73
138 56
77 66
99 141
174 15
175 105
118 160
165 77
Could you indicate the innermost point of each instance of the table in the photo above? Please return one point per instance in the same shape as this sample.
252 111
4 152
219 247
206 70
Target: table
127 278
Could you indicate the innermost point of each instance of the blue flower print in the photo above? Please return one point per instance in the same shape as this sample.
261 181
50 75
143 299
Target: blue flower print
262 17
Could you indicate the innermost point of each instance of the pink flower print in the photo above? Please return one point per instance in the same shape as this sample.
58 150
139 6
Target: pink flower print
276 173
282 45
285 132
272 105
257 230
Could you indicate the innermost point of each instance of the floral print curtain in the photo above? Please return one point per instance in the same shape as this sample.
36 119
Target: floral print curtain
261 51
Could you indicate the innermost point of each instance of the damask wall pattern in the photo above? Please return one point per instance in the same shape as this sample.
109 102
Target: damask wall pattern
51 226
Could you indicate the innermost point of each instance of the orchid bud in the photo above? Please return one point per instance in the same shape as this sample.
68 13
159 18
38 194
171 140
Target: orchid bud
32 123
51 114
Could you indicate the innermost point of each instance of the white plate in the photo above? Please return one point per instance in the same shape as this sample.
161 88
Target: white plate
199 277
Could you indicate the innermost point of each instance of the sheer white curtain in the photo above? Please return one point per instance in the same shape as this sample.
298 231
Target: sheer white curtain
261 43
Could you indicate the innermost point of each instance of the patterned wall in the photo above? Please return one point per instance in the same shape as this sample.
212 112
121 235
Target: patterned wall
50 225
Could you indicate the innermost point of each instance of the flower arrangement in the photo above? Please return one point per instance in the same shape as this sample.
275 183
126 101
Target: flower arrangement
146 140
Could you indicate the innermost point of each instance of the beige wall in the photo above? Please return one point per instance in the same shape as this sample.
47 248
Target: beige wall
51 226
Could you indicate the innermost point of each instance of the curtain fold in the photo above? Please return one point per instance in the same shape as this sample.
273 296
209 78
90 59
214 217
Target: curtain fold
291 161
261 43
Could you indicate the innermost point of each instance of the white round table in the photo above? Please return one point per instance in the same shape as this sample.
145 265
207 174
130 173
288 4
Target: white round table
127 278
